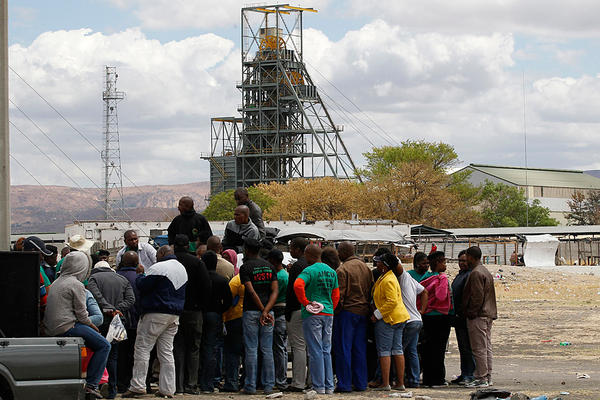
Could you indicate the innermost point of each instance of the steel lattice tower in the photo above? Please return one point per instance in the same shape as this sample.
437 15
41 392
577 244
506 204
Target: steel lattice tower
111 154
285 130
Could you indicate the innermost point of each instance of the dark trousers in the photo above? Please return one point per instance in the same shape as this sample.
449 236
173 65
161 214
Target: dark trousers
350 351
125 361
187 350
467 362
232 353
436 330
213 324
112 369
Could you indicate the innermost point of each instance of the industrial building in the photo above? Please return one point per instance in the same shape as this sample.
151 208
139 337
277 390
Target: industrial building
552 187
285 130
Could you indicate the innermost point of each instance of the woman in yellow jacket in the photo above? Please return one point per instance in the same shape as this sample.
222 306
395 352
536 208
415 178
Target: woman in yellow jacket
390 317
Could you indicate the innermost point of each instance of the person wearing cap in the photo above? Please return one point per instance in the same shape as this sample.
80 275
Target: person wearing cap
220 301
239 229
49 263
189 336
190 223
261 290
146 253
34 243
224 267
317 290
275 257
115 296
66 315
390 317
162 298
350 323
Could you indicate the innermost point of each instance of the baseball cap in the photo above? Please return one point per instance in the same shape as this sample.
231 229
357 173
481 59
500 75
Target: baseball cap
34 243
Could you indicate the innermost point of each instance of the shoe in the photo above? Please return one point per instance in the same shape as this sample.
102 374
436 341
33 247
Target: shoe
208 391
439 385
228 390
383 388
320 391
478 383
338 390
267 392
131 394
458 381
399 388
163 396
294 389
190 390
244 391
412 385
93 392
374 384
329 391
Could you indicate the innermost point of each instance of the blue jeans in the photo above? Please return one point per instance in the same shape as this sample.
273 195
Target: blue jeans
410 338
255 336
317 334
389 338
99 345
350 351
233 350
211 326
280 352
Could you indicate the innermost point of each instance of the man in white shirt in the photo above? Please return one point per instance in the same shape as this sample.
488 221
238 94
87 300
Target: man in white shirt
146 252
410 290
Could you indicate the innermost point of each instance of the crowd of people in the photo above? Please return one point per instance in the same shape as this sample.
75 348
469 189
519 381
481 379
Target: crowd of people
200 323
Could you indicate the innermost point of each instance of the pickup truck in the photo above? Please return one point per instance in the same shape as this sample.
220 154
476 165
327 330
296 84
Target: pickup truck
42 368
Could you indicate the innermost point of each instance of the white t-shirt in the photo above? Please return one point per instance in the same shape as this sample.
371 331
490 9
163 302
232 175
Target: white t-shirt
410 289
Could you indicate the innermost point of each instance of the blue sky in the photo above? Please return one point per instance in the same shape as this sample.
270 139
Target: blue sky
431 70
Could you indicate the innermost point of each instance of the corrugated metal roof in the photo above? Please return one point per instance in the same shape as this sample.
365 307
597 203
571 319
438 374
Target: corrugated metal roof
540 177
532 230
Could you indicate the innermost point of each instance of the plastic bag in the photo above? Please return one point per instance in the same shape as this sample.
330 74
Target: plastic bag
116 330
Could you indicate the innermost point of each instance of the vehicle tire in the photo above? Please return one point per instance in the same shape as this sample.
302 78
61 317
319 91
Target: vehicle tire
5 392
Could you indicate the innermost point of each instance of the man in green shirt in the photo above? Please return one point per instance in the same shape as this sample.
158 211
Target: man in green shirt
275 257
317 290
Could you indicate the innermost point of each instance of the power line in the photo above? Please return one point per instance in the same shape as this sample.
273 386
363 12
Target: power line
65 173
78 131
389 137
64 154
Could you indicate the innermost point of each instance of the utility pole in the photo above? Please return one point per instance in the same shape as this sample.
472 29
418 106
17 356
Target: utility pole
111 154
4 142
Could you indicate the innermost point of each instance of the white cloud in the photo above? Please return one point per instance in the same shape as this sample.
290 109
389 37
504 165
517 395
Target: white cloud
539 17
172 90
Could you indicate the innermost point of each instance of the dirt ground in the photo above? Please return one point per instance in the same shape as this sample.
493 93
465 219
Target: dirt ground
538 309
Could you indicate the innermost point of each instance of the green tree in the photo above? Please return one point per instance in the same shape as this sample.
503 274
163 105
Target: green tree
221 205
503 205
380 160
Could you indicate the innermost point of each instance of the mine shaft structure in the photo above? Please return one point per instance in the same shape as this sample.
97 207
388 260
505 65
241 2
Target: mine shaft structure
285 130
111 152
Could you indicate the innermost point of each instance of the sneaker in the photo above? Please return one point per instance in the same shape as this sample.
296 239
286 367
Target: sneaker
162 395
490 383
399 388
329 391
383 388
458 381
478 383
439 385
294 389
93 392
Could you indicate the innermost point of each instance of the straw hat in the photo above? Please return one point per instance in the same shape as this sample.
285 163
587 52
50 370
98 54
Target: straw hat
80 243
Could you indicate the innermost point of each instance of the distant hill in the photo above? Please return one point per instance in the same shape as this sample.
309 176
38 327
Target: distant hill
593 172
50 208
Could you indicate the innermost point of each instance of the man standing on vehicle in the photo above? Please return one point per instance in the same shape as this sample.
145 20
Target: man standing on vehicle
162 292
146 253
190 223
115 296
240 229
242 199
